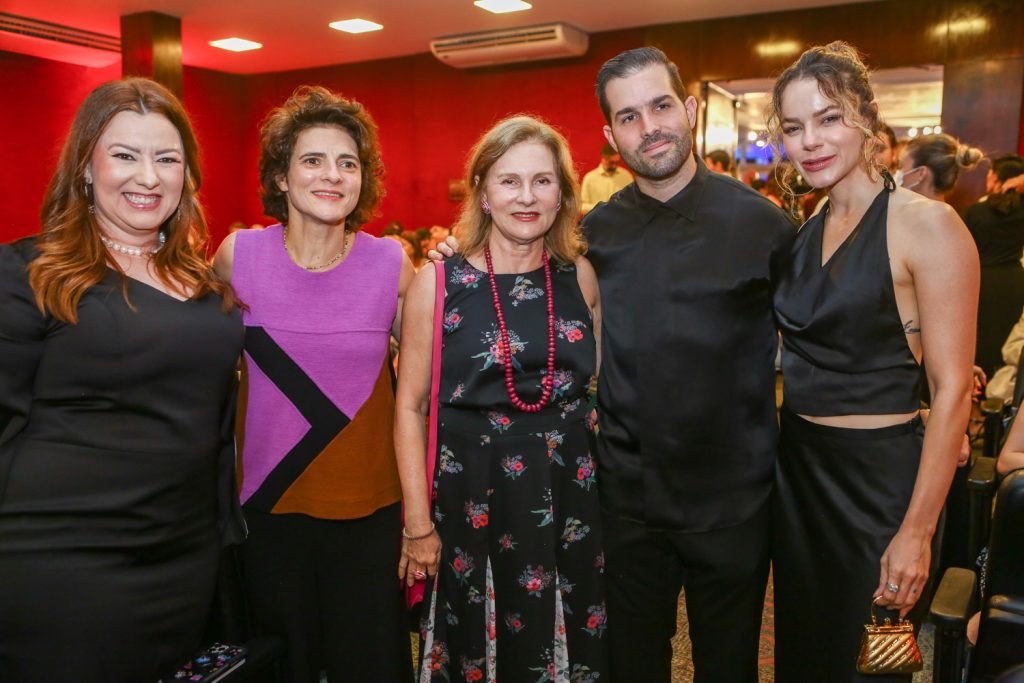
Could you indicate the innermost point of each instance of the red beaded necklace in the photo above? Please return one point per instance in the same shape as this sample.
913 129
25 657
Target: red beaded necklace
548 382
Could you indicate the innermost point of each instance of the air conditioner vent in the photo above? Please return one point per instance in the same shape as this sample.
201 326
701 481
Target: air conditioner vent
11 23
532 43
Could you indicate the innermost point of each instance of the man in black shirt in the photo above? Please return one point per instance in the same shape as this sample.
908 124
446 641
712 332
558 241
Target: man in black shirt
686 260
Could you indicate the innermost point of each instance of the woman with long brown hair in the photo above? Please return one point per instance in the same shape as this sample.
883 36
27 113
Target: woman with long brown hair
876 280
118 345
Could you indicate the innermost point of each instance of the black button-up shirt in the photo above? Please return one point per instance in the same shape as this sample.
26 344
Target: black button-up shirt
686 397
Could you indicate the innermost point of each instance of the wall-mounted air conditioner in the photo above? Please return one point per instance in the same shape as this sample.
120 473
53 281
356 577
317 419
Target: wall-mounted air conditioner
532 43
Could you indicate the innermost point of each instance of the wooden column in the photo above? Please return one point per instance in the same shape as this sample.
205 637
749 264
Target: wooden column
151 47
981 101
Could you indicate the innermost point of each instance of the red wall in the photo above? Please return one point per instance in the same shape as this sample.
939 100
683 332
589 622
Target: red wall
41 97
217 103
429 116
50 93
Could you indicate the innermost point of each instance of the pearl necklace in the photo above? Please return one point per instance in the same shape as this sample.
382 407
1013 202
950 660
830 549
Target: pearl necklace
133 251
548 381
337 257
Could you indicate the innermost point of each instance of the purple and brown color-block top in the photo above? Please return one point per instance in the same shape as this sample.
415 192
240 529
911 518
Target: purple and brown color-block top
318 399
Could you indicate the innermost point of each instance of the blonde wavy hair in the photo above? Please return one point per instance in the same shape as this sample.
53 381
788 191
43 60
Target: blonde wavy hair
842 78
71 256
563 241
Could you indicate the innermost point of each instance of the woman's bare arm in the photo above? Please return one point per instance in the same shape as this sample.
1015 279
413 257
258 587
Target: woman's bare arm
404 280
943 261
1012 456
411 405
224 261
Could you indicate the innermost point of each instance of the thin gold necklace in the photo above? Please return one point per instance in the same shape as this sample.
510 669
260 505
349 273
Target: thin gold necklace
337 257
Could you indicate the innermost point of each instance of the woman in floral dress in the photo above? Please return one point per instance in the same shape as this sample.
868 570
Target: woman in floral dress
512 547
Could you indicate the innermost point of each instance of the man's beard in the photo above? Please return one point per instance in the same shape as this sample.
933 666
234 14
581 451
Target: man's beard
665 165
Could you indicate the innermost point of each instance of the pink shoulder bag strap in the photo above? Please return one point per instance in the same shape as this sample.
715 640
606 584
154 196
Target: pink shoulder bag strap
415 594
435 376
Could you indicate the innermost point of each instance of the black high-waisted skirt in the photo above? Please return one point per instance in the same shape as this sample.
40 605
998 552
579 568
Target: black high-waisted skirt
841 495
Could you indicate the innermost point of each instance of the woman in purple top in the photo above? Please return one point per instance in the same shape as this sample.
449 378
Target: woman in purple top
319 483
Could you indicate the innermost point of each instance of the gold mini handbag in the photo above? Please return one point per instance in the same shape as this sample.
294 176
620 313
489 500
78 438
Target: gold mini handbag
888 648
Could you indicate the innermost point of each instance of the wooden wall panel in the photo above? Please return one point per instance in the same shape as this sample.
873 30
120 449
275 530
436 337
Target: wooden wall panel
981 101
980 42
151 47
892 33
1000 35
681 42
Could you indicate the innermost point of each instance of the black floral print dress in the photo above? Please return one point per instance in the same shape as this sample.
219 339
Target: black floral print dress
519 593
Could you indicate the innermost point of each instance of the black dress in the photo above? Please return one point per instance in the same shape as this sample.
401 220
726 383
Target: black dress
1000 240
841 494
519 595
112 437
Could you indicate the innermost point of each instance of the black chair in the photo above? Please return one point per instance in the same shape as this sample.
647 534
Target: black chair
1018 387
982 480
1001 634
1014 675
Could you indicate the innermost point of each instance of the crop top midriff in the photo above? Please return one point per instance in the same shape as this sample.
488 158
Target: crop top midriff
845 350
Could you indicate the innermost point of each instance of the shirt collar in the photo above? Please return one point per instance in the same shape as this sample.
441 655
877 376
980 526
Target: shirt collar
687 200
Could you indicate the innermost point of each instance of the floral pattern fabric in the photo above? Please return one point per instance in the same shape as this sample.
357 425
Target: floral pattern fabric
519 594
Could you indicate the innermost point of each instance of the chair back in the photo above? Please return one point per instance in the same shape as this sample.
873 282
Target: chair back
1018 386
1006 544
1014 675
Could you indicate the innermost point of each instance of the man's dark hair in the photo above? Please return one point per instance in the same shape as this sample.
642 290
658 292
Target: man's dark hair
721 157
608 151
1006 167
630 62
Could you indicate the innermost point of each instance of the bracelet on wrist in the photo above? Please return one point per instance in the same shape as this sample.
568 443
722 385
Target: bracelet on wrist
406 536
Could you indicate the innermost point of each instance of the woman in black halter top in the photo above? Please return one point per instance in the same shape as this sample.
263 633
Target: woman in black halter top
878 279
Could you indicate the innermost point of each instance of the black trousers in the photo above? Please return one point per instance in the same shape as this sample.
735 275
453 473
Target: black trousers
840 497
724 573
331 589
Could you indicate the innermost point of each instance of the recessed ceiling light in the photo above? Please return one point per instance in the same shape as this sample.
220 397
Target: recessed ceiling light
777 48
503 6
356 26
236 44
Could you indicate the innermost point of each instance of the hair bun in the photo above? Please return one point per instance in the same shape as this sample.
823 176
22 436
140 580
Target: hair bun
967 157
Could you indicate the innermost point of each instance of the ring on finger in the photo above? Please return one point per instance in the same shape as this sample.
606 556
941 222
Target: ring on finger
892 587
419 575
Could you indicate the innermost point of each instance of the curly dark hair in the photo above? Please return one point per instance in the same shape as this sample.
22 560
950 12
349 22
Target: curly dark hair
313 107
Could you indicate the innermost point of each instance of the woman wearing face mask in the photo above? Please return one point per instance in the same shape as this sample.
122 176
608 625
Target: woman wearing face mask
877 279
118 346
997 225
931 164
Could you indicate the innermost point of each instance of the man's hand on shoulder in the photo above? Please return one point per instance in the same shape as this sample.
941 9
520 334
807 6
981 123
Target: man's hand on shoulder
446 249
